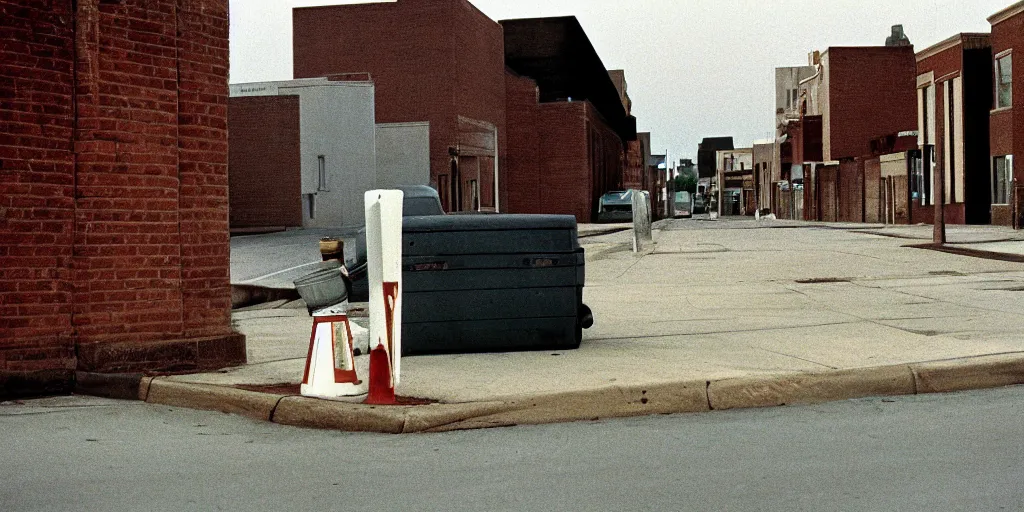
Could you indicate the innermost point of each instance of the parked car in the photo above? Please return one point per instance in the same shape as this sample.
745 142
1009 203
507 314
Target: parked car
420 201
684 204
699 205
615 207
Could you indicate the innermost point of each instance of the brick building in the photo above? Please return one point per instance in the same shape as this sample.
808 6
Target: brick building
860 94
114 252
1007 118
767 174
568 126
736 189
707 154
954 88
633 172
435 61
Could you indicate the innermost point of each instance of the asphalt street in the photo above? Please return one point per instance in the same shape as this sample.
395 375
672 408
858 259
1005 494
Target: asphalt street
940 452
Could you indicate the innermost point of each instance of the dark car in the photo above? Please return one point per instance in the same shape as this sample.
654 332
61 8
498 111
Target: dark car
699 206
420 201
616 207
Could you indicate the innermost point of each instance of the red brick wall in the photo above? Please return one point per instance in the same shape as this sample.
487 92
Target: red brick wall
1001 126
431 60
131 269
1008 127
607 155
522 160
36 195
851 191
127 242
872 94
633 171
561 156
265 161
203 174
479 65
566 184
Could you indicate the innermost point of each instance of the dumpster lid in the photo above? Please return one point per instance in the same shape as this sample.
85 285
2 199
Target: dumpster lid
487 223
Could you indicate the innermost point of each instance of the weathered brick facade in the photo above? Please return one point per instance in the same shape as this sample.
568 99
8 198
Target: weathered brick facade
870 94
431 60
562 156
1007 125
113 212
965 59
37 195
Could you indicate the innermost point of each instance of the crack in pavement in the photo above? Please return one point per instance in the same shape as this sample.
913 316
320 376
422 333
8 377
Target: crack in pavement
943 301
797 358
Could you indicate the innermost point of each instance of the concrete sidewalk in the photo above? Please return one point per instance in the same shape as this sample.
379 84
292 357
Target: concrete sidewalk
719 315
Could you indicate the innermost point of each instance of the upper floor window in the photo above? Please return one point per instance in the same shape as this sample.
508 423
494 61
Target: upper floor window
1004 81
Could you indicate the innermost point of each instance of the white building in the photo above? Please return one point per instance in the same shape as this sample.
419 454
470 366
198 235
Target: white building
315 176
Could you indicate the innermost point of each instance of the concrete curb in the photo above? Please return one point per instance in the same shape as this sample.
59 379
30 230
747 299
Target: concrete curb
297 411
258 406
984 372
121 386
981 372
611 402
810 388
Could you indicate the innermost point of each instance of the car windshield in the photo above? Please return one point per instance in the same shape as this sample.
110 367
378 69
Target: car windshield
618 197
421 206
682 197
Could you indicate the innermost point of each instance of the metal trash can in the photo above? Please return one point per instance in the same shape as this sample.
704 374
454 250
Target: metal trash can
323 288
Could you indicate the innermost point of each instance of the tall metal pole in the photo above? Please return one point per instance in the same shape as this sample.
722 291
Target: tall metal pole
939 233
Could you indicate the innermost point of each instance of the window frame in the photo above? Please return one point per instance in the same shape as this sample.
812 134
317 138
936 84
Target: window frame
1007 182
321 165
997 68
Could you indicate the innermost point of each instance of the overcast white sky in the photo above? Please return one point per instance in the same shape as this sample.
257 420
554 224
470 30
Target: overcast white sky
695 68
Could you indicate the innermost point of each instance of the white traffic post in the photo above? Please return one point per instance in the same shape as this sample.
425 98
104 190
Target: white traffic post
384 273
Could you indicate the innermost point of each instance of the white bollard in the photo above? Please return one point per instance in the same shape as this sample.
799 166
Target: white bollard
643 235
384 273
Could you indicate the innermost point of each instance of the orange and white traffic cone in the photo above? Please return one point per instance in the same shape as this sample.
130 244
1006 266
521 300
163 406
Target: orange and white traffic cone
324 377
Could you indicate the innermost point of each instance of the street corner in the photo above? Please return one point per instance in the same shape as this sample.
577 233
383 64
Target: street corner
299 411
230 400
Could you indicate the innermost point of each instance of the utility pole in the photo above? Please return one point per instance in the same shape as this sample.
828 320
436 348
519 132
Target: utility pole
939 178
670 205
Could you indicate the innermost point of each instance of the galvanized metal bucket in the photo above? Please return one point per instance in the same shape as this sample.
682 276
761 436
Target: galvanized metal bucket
323 288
